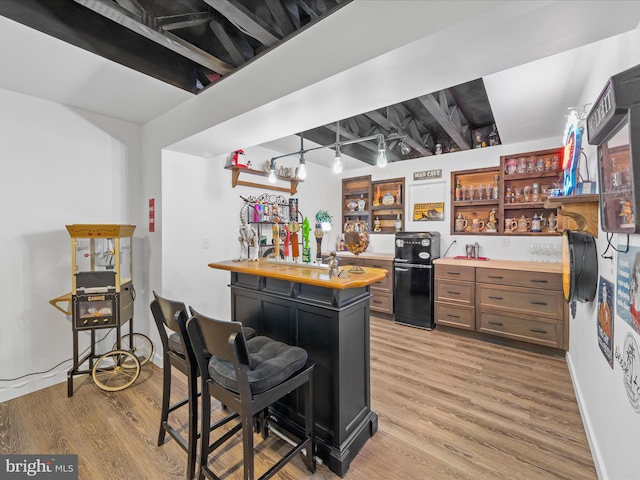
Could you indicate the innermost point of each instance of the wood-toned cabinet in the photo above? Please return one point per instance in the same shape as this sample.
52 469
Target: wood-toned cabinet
387 205
514 191
354 190
382 290
518 300
379 203
475 194
454 298
526 179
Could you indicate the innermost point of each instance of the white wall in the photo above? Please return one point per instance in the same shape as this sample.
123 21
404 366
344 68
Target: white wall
611 423
199 203
60 166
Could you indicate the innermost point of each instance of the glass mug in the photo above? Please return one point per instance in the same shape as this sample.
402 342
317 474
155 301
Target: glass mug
510 224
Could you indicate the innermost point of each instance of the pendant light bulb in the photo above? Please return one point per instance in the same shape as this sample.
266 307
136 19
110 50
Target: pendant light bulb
337 166
302 168
272 172
382 153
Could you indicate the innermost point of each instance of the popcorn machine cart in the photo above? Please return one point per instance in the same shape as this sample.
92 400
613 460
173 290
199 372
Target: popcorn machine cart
102 297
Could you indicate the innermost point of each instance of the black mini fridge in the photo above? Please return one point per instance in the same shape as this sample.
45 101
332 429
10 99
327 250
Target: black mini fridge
413 277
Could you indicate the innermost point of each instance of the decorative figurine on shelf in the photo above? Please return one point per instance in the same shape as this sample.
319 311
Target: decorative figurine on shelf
377 227
626 212
376 197
334 271
306 251
492 222
318 233
248 237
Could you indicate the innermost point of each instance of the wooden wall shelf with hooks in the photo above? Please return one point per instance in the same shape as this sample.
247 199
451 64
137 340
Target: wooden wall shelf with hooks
235 180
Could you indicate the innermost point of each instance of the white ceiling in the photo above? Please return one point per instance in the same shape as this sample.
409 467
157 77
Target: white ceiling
533 56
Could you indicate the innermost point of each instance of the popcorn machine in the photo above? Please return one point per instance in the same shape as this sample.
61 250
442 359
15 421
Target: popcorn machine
102 297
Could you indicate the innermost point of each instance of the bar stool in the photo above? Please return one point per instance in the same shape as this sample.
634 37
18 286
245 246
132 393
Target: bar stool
177 353
247 380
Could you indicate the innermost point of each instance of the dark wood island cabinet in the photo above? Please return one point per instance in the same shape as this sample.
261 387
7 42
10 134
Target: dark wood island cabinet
328 317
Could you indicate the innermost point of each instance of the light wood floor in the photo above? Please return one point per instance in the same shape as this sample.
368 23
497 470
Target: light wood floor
449 406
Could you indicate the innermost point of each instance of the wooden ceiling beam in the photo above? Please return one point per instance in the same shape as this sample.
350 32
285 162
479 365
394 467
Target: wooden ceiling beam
245 20
389 126
282 18
133 22
440 111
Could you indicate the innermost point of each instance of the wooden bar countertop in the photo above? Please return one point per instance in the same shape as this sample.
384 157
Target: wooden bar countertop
304 274
522 265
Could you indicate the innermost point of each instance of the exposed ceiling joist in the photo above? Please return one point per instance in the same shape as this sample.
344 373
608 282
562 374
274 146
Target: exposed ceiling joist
443 117
245 20
386 124
120 15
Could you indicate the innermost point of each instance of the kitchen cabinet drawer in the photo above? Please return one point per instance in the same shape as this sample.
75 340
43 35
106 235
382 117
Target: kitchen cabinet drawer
455 292
520 300
456 272
518 278
386 284
458 316
381 302
527 329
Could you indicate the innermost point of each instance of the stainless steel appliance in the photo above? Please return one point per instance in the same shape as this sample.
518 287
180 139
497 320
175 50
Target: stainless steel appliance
413 275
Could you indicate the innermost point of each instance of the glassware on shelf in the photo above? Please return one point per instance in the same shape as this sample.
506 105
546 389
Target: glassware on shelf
522 165
517 194
527 193
489 188
471 192
495 193
531 165
480 192
535 192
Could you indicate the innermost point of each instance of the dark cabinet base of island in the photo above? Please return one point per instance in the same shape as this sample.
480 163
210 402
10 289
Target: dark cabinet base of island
332 325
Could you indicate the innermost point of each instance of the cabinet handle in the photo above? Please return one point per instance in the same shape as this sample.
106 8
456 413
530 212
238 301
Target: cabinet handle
498 277
452 315
538 303
537 330
495 298
496 323
452 292
453 273
538 281
377 301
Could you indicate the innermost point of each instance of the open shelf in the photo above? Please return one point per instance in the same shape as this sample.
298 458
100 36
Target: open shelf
235 180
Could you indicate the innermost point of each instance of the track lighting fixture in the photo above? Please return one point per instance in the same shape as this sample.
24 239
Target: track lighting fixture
382 152
337 165
272 171
404 148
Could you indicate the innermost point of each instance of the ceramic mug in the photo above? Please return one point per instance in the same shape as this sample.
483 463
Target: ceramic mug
537 224
553 224
477 225
524 224
510 224
461 224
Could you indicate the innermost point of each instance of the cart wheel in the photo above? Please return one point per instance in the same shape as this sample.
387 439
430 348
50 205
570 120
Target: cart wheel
110 372
141 346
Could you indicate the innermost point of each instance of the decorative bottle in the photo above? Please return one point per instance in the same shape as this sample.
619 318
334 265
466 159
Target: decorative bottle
398 224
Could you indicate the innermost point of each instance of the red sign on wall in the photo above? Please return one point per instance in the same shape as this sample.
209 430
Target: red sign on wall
152 214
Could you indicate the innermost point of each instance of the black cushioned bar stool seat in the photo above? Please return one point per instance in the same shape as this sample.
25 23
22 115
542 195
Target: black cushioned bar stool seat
247 377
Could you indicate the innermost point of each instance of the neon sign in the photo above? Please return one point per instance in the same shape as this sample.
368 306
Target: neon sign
571 154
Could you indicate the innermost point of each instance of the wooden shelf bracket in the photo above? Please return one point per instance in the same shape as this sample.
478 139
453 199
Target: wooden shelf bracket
583 209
